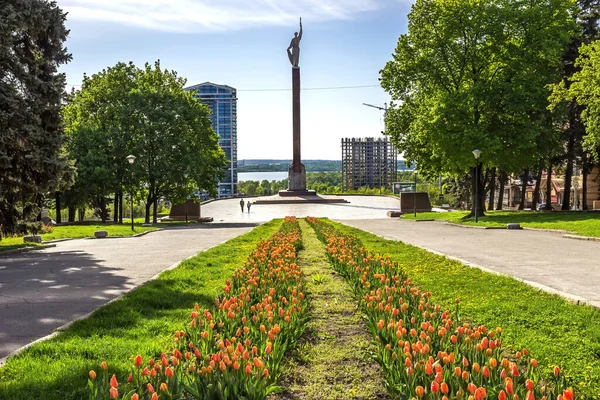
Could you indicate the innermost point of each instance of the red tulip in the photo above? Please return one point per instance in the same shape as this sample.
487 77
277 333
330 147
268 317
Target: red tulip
113 381
138 361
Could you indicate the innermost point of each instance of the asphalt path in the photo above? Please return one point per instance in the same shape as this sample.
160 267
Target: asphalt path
540 258
45 289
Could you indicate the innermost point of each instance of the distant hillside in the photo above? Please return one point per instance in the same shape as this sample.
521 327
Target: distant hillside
282 165
252 165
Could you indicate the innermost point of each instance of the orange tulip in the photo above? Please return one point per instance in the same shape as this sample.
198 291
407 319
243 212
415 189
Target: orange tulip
556 371
444 388
150 388
529 395
135 396
92 374
169 372
568 394
113 381
114 392
529 385
420 391
502 395
103 365
154 396
509 386
163 387
265 373
138 361
435 387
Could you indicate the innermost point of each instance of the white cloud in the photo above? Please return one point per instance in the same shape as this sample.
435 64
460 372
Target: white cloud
213 15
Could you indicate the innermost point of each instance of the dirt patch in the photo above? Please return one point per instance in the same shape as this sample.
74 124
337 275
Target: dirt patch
333 359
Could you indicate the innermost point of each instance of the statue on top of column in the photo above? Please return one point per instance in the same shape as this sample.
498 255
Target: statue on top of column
294 48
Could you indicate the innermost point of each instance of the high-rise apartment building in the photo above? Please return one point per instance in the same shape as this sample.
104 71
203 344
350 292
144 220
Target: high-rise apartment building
368 162
222 101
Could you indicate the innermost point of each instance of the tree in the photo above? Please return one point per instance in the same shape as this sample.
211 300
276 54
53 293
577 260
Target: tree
582 89
126 110
472 75
32 33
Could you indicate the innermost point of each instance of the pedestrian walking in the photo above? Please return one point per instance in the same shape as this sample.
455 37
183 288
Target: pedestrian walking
242 204
249 204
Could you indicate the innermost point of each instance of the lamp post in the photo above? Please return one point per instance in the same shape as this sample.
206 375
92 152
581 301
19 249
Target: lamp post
415 196
131 159
476 153
185 176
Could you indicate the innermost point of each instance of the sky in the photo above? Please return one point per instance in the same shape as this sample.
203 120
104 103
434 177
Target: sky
242 43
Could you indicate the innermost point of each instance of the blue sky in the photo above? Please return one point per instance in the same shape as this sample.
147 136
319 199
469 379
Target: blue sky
242 43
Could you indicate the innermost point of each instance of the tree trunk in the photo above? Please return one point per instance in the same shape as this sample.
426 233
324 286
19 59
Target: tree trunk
568 174
121 206
536 191
492 187
103 213
478 193
57 200
502 181
72 212
116 209
81 214
549 187
154 211
524 181
149 201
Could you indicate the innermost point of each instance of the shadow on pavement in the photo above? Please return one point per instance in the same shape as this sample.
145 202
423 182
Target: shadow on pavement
39 292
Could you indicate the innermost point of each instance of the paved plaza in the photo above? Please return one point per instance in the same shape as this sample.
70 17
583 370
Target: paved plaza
360 207
42 290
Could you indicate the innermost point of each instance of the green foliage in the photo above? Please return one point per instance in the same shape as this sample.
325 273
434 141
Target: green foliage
32 34
583 89
472 74
145 112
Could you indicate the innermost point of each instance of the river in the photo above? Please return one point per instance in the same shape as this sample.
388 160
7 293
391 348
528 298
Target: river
260 176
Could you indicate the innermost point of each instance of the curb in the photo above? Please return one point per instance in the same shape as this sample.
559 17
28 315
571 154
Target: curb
567 296
577 237
26 249
126 237
61 328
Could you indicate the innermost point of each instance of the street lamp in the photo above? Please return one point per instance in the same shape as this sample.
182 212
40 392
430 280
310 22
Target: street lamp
131 159
415 196
476 153
185 176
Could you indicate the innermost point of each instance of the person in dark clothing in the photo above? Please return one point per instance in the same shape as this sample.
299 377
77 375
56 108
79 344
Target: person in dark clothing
248 205
242 204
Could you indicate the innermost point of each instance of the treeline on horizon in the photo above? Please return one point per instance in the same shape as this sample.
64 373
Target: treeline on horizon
283 165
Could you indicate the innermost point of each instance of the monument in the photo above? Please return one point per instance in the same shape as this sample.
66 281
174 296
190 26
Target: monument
296 171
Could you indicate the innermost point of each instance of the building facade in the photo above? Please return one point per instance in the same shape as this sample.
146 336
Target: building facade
222 101
368 162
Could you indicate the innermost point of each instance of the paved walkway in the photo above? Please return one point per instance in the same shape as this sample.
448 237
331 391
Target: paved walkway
42 290
372 207
546 259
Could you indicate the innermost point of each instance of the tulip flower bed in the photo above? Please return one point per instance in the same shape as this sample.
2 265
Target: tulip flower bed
424 351
233 350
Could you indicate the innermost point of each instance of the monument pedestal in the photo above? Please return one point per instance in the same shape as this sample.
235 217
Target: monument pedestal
297 178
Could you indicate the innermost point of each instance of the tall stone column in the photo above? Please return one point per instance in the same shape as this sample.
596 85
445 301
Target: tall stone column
297 172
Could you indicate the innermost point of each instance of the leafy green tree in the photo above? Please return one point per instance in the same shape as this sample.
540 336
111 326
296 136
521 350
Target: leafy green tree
472 75
32 34
144 112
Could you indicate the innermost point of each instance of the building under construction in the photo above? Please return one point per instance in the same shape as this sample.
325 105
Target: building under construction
368 162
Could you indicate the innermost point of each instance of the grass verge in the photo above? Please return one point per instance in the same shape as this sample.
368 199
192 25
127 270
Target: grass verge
75 232
577 222
142 322
332 360
555 331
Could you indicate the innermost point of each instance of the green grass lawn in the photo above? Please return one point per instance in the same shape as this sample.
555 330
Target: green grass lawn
554 330
75 232
142 322
577 222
